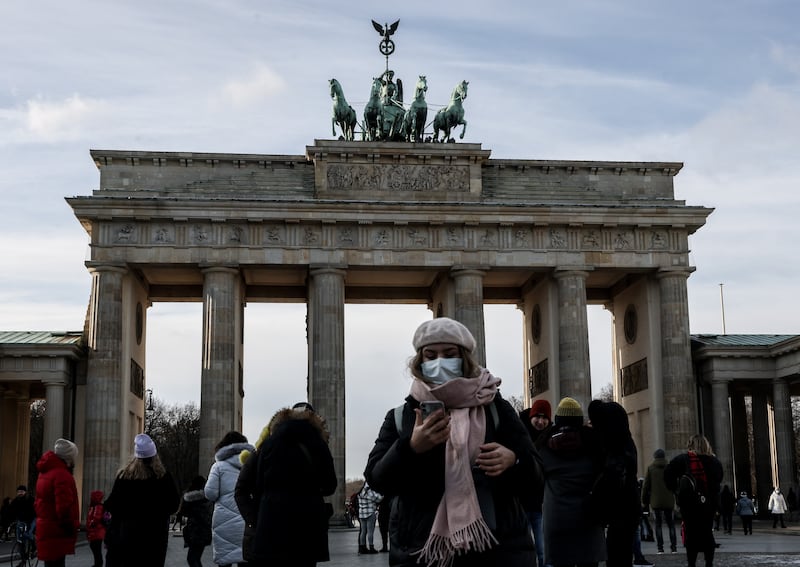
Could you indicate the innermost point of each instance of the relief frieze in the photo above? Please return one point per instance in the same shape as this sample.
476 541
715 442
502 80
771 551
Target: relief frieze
357 235
378 177
125 234
163 235
275 235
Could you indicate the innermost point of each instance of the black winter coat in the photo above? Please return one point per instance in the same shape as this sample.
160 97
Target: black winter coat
140 512
415 483
294 471
198 511
698 521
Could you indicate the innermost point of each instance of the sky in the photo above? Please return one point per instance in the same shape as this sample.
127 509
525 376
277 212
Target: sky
714 85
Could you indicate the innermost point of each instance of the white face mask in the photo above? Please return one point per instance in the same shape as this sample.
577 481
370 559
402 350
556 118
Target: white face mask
441 370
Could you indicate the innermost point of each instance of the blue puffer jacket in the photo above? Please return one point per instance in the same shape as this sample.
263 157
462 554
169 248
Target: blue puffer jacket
227 524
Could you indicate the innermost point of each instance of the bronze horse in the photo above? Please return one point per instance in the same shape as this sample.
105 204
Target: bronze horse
343 113
417 113
452 115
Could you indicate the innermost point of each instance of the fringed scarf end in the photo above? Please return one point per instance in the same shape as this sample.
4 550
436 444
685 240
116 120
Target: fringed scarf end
442 550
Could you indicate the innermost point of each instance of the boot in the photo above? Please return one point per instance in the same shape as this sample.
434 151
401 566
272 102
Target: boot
372 550
362 550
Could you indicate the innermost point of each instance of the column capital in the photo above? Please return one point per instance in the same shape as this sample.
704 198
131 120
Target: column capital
322 269
682 271
55 382
469 270
219 268
118 267
572 271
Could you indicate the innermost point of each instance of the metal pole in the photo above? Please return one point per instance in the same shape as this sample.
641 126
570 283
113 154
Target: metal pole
722 303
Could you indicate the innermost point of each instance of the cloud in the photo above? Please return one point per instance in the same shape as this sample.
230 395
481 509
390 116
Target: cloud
61 120
262 83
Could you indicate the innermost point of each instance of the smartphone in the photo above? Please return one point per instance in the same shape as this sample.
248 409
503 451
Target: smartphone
429 407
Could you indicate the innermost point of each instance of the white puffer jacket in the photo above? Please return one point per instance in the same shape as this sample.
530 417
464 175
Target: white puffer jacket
227 525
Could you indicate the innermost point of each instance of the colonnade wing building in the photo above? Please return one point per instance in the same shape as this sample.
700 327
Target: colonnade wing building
436 224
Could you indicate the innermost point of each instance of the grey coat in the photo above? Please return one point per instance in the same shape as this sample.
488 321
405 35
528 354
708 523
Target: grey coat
570 536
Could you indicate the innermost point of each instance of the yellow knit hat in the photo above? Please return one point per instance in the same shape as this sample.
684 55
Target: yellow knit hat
569 412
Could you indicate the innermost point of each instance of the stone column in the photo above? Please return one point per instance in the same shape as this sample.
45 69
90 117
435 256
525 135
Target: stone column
326 379
722 443
761 450
784 434
23 439
219 370
104 387
468 284
54 414
573 337
741 445
680 422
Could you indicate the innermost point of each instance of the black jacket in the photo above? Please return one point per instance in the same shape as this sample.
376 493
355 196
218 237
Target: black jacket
415 482
198 511
294 471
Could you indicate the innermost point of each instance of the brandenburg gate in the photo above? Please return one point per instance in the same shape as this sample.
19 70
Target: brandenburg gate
380 222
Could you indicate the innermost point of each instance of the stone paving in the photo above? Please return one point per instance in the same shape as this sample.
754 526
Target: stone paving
765 548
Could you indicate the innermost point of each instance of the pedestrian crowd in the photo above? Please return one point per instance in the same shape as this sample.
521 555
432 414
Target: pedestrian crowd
457 478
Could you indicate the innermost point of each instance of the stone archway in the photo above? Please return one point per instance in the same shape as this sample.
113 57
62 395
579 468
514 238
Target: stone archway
440 224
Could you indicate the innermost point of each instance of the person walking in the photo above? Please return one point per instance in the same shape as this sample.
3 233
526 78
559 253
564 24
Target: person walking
384 510
142 499
294 472
727 503
227 525
95 528
777 507
458 477
368 501
661 500
571 459
197 511
695 477
620 457
56 504
746 510
537 419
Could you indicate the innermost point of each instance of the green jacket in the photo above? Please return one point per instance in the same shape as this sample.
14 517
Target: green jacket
655 493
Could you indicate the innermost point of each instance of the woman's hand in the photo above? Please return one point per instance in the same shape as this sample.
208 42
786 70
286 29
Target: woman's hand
494 459
431 432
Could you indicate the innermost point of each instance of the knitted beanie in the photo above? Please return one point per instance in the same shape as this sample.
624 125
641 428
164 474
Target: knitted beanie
541 407
66 450
569 413
144 447
443 330
659 454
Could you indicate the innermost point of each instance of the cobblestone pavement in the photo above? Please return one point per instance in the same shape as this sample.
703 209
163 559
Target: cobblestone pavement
766 548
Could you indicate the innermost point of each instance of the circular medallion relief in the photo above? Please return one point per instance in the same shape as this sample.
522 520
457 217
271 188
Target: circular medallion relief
139 323
536 324
630 324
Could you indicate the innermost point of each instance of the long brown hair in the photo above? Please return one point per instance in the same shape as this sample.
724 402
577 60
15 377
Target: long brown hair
700 445
142 469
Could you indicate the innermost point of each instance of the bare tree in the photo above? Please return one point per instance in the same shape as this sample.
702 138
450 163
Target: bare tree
516 402
606 393
176 431
36 440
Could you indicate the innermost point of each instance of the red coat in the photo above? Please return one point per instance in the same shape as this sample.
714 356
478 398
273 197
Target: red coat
95 529
57 511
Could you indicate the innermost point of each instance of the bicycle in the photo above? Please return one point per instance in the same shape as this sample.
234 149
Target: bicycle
24 546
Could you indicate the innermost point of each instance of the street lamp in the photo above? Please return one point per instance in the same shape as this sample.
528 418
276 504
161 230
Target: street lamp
149 392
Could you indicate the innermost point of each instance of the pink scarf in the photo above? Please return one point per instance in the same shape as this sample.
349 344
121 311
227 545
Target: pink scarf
459 526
